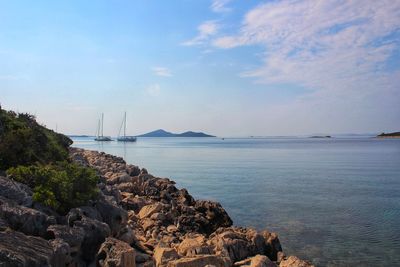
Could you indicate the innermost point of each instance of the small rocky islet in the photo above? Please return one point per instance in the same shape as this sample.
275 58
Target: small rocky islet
137 220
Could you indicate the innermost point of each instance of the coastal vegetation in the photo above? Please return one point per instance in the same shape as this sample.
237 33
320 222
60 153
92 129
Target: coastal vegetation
61 186
39 157
23 141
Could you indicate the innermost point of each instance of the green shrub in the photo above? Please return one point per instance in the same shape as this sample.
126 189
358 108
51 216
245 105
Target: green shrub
62 185
24 142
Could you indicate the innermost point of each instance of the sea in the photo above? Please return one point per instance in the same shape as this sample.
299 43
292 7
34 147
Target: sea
333 201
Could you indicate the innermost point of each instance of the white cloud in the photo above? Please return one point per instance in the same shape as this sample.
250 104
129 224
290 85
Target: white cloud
336 48
318 42
205 30
220 6
153 89
162 71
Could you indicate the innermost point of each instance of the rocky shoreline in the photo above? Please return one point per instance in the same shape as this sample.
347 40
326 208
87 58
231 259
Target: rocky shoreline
137 220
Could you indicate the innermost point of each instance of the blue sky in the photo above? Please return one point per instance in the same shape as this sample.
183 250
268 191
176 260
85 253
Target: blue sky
227 67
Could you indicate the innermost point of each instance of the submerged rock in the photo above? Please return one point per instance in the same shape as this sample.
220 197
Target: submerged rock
293 261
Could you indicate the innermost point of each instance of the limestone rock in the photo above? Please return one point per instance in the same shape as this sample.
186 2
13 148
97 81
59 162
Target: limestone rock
62 252
194 245
95 233
273 245
27 220
214 213
15 191
256 261
200 261
115 253
17 249
164 255
293 261
72 236
112 214
148 210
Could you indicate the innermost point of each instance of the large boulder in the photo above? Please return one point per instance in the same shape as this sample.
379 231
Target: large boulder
239 243
15 191
149 210
17 249
132 202
115 253
256 261
72 236
201 261
194 244
26 220
95 233
215 215
61 252
273 245
115 216
163 255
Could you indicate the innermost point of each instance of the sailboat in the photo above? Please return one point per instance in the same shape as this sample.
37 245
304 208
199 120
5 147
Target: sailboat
125 138
100 136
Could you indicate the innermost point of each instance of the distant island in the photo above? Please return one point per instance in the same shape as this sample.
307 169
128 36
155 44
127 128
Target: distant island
321 136
389 135
163 133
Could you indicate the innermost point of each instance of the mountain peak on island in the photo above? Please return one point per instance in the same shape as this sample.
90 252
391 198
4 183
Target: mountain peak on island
163 133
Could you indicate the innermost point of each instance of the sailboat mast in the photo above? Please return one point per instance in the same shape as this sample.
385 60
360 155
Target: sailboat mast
98 129
102 123
125 125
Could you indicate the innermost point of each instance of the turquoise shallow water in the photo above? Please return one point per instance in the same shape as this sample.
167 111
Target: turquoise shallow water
333 201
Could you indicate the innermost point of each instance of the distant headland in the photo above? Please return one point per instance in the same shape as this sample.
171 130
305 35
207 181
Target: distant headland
389 135
163 133
321 136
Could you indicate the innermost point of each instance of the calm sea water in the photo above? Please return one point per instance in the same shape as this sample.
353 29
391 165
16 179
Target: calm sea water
333 201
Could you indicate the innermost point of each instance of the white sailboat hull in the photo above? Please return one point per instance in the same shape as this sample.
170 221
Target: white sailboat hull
103 138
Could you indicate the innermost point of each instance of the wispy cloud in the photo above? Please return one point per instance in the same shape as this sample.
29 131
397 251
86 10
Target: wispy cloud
162 71
319 43
337 46
205 30
220 6
153 90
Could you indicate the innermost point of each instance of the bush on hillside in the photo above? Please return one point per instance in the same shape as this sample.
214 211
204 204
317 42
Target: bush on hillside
61 186
24 142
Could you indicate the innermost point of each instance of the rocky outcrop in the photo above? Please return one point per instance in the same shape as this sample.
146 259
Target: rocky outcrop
17 192
137 220
256 261
115 253
163 255
20 218
200 261
18 249
293 261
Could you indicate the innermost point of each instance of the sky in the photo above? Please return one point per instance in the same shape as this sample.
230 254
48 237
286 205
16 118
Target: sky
225 67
